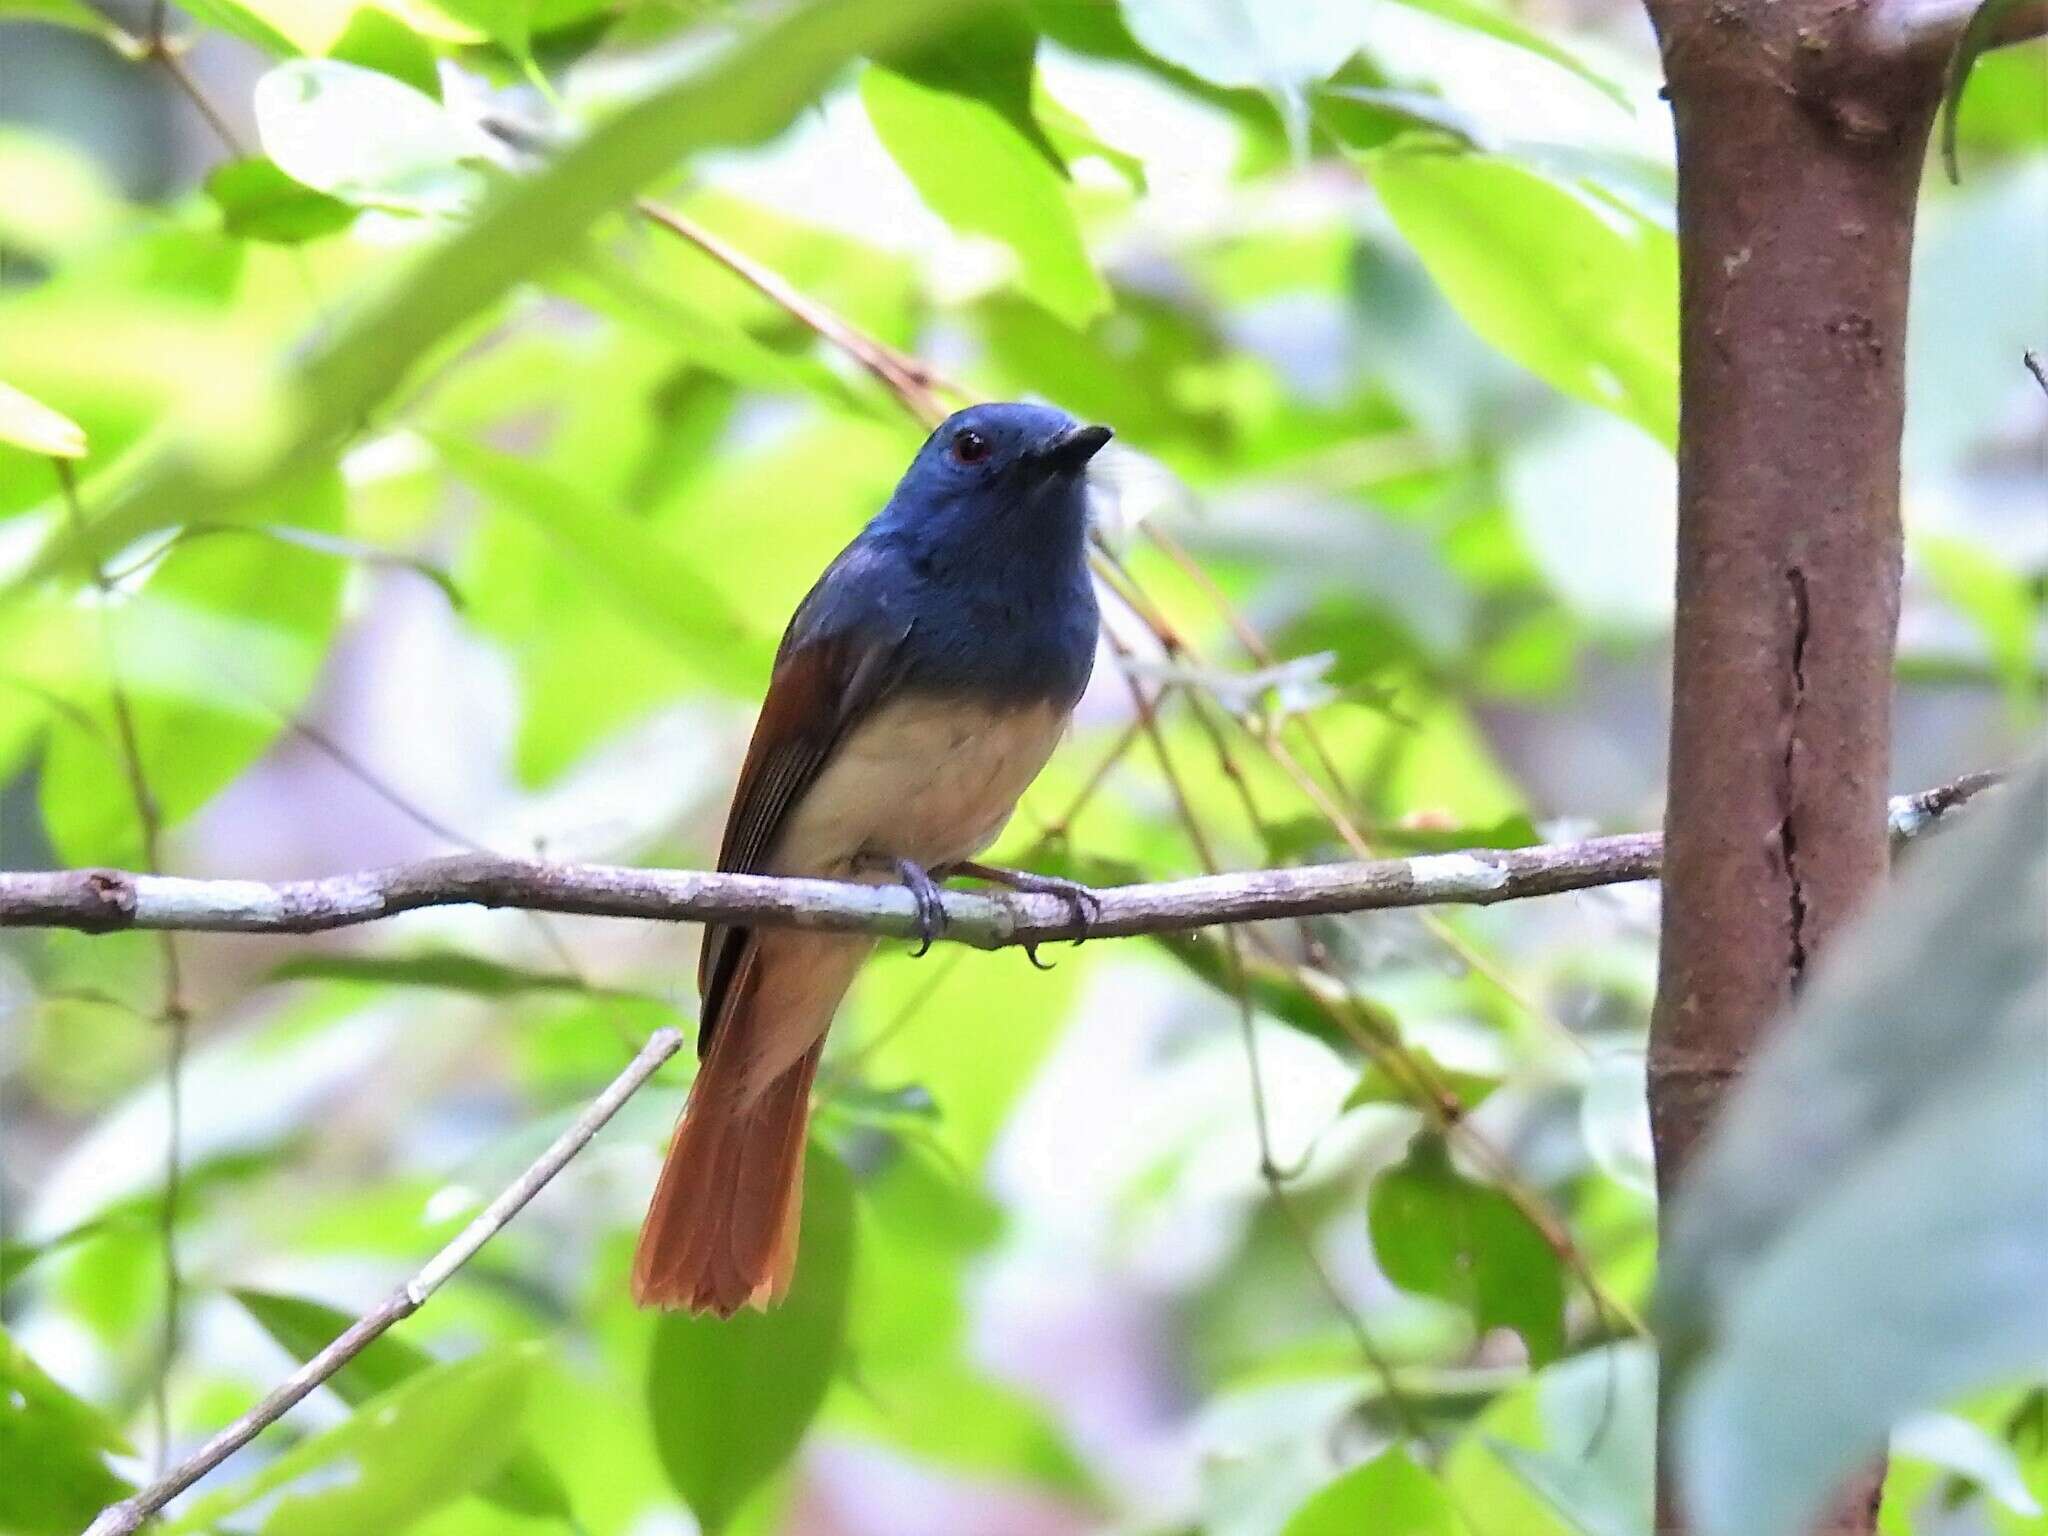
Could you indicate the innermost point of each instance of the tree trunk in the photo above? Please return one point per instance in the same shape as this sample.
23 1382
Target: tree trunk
1799 159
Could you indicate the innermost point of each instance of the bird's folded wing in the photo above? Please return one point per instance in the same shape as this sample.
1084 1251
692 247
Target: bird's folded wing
821 688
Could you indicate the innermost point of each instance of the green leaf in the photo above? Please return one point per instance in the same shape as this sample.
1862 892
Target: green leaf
1978 37
333 383
53 1479
1438 1233
244 22
376 40
657 585
1885 1118
1577 288
214 652
1999 601
1476 16
26 423
441 1432
367 139
259 202
526 1485
991 59
1388 1496
730 1399
980 175
1278 46
445 970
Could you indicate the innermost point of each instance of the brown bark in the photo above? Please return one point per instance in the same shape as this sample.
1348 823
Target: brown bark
1799 162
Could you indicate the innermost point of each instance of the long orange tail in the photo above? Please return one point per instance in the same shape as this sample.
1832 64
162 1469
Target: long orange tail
721 1232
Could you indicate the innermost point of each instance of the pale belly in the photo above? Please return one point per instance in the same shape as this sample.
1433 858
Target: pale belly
924 780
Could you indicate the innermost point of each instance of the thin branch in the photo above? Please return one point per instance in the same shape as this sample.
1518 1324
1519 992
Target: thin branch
103 900
130 1514
173 1014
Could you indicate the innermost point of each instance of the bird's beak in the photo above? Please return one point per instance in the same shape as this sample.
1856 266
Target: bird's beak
1074 447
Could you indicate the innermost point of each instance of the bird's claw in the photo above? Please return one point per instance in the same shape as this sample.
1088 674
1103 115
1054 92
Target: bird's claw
931 908
1082 903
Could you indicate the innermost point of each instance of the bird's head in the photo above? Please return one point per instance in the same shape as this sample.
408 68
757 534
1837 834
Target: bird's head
1003 472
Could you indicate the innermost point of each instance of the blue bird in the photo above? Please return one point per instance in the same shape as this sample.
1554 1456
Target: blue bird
917 692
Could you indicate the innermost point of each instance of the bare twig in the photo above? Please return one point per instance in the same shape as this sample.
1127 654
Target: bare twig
100 900
2033 361
173 1014
130 1514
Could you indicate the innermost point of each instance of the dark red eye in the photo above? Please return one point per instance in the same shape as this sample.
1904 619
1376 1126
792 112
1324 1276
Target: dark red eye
969 446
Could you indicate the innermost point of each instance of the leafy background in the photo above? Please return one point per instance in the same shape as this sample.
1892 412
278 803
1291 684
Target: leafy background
493 499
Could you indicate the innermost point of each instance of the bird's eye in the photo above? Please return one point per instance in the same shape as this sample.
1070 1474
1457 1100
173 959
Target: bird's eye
969 446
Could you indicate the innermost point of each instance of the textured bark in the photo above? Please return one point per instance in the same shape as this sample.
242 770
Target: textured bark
1800 149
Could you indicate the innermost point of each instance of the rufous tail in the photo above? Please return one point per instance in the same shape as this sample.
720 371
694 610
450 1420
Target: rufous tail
721 1232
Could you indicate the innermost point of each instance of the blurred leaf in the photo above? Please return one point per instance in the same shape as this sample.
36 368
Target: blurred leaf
214 652
1966 1451
1388 1496
656 585
52 1476
527 1485
730 1398
245 22
1515 831
1277 46
979 174
441 1432
447 970
1075 140
1577 288
991 59
375 39
1438 1233
259 202
56 13
327 544
1998 601
1978 37
1479 16
1568 1452
27 423
1376 1085
367 139
1881 1120
333 385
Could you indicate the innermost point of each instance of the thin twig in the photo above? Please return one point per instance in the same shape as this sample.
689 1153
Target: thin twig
173 1014
101 900
2033 361
130 1514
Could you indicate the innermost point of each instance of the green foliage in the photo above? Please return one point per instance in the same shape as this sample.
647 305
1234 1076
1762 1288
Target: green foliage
526 1485
437 499
729 1400
1776 1262
53 1472
1389 1494
1437 1232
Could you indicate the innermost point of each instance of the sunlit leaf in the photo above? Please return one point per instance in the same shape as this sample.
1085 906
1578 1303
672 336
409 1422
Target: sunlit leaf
1389 1496
991 59
27 423
1578 289
367 139
259 202
1281 46
53 1476
983 177
526 1485
730 1399
441 1432
329 389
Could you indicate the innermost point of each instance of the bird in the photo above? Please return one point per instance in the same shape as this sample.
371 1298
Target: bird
918 690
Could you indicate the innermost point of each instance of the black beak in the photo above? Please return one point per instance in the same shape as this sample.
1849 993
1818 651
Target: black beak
1074 447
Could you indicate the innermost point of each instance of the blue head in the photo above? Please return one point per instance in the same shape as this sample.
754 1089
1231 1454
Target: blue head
998 485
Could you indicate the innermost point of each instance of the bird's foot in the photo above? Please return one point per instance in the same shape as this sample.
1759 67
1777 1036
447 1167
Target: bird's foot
924 890
1082 902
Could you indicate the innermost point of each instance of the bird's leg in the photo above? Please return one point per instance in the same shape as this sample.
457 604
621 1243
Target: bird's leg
1083 903
924 890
